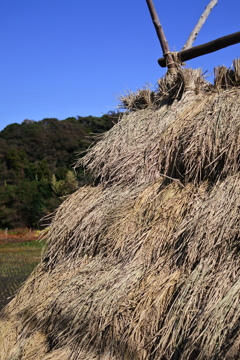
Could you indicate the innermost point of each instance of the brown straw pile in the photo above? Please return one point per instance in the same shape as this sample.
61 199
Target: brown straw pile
143 264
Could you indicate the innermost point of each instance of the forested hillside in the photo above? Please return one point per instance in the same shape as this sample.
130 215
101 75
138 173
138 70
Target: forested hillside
36 159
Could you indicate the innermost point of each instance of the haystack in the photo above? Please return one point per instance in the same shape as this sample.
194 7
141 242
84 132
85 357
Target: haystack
143 263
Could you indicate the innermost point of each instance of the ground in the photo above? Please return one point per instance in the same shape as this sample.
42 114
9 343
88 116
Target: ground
20 252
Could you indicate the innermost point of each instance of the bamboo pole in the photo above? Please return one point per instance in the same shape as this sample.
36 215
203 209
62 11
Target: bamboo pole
161 36
206 48
200 24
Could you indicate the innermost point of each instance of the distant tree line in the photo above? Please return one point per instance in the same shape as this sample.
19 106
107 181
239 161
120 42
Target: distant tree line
36 159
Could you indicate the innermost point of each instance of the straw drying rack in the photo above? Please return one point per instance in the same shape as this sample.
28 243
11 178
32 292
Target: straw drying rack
172 60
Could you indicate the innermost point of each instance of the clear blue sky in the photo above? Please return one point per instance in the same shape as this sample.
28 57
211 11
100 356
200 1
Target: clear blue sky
62 58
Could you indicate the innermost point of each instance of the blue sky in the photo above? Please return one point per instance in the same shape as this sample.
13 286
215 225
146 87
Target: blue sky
62 58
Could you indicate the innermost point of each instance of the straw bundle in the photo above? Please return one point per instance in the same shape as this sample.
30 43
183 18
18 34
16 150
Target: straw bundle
143 263
193 140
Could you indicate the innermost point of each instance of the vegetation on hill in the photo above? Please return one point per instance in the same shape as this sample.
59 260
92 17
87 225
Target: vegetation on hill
36 159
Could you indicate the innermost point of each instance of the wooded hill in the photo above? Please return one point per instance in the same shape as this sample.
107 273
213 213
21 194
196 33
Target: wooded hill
36 165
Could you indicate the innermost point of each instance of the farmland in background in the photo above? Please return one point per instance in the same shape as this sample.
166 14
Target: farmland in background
20 252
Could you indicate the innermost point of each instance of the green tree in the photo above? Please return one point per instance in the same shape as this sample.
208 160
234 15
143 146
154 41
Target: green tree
36 159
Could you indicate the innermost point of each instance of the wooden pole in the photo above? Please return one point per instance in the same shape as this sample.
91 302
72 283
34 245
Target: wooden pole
206 48
161 36
200 24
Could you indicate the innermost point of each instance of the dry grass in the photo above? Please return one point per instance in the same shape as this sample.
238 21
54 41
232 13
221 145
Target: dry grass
171 87
193 140
142 99
227 78
143 264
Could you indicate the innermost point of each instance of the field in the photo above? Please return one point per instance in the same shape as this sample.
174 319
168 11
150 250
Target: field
20 252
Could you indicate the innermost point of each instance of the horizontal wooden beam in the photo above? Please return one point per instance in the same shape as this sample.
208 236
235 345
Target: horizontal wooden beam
206 48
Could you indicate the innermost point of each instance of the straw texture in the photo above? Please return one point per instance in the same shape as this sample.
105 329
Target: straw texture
143 263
